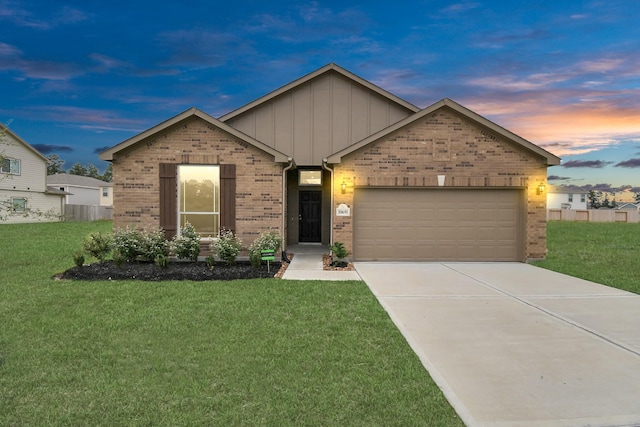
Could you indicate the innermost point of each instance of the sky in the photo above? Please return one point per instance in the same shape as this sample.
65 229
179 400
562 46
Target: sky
77 77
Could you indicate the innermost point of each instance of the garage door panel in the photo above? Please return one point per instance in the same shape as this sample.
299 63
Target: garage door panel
438 225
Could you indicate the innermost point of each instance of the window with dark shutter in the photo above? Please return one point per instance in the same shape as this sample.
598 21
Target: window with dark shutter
228 197
168 199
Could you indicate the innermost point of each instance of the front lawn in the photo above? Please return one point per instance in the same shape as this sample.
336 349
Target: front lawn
607 253
250 352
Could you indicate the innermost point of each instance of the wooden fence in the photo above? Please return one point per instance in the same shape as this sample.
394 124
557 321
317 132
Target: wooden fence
593 215
87 213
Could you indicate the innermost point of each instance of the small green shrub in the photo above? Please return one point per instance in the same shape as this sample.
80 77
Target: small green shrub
227 246
132 244
118 258
161 261
154 244
187 244
78 259
128 243
339 251
211 261
268 240
98 245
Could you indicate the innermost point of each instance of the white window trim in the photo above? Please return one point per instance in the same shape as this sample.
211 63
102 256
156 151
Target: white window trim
181 212
12 163
13 205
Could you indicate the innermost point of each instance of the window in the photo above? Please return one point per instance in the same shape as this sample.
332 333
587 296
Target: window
310 177
571 197
105 191
10 166
583 198
18 204
199 198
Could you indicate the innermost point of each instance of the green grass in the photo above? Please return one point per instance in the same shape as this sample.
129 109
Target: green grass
260 352
607 253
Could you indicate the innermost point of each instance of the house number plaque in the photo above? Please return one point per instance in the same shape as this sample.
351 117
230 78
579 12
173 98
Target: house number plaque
343 210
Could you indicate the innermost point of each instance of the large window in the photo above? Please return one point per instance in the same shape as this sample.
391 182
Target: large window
11 166
199 198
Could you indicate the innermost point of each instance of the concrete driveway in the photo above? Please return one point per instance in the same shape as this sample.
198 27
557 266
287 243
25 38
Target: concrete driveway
511 344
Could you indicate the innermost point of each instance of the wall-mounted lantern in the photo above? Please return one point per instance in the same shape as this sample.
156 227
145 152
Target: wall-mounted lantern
343 187
541 189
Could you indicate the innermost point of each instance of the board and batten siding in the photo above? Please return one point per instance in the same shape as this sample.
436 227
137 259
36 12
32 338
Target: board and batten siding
318 118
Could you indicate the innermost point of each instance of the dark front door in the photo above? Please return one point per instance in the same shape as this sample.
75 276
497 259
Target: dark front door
310 216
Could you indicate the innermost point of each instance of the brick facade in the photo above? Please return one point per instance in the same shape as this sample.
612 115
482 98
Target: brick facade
444 143
136 182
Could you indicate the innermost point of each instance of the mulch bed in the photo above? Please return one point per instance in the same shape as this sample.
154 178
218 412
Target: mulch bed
149 271
329 264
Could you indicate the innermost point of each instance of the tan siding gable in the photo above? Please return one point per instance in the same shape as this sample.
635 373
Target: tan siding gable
318 118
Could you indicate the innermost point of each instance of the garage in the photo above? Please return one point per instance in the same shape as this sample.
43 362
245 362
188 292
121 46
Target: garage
436 224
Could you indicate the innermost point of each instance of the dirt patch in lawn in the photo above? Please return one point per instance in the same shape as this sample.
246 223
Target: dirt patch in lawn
149 271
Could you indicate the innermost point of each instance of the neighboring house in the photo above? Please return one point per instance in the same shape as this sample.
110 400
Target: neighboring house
83 190
561 197
331 157
629 206
23 188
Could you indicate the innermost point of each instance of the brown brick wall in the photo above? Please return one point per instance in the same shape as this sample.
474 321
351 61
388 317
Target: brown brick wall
445 143
194 141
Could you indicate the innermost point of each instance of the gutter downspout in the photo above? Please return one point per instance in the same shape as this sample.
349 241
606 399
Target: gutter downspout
325 166
285 203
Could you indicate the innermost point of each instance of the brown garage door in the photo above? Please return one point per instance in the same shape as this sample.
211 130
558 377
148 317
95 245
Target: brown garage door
438 225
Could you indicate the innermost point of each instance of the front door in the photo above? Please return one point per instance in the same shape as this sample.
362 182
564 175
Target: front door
310 216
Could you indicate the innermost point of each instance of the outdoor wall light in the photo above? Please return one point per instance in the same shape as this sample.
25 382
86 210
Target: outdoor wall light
541 188
343 187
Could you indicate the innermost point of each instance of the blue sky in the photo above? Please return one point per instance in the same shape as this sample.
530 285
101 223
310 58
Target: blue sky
78 77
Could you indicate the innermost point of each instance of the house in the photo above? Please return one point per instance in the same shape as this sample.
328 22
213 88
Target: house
24 196
629 206
83 190
562 197
330 157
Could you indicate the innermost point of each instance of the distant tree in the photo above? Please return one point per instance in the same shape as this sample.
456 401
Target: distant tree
93 172
637 197
78 169
55 164
594 199
605 201
108 173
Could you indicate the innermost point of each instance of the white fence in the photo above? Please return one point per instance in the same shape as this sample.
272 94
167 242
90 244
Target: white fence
87 212
593 215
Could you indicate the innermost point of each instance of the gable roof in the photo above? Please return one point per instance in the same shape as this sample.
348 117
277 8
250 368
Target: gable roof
76 180
465 112
304 79
192 112
8 131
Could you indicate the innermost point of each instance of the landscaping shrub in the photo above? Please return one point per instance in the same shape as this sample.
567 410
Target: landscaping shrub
227 246
268 240
187 245
132 244
78 259
98 245
161 261
339 251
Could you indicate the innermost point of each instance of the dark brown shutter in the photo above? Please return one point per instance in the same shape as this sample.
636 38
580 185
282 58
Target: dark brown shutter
168 199
228 197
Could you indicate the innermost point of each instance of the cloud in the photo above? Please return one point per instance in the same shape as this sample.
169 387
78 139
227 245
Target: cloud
86 118
52 148
11 59
12 11
631 163
99 150
460 8
596 164
558 178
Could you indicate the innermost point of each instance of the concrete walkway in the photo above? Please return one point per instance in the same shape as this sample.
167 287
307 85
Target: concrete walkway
307 265
514 345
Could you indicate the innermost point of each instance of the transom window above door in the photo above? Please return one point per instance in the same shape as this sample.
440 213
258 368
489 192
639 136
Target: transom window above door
310 177
199 198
